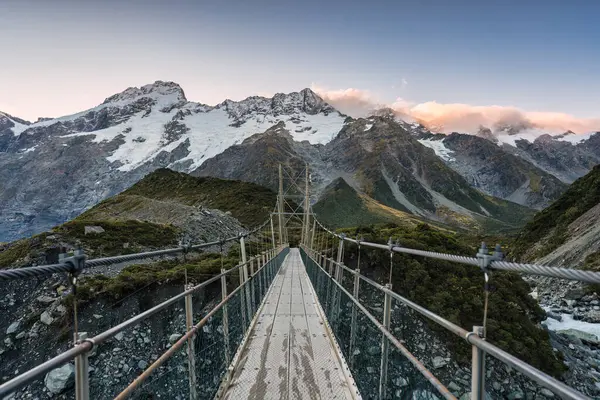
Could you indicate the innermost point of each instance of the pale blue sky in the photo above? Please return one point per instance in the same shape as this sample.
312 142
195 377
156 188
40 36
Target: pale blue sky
59 57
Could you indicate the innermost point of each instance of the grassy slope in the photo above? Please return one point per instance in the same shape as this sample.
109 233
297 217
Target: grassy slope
455 291
249 203
551 223
340 205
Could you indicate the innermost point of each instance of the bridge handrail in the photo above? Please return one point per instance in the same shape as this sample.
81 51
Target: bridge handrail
72 266
177 345
532 269
88 344
540 377
413 360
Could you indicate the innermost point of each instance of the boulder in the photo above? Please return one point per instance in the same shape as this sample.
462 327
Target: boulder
592 316
574 294
59 379
93 229
575 333
46 299
12 328
439 362
46 318
174 337
554 315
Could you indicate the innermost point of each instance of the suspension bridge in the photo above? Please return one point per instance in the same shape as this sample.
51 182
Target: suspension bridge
296 323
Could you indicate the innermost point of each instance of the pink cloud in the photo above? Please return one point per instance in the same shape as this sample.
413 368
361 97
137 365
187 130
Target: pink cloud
456 116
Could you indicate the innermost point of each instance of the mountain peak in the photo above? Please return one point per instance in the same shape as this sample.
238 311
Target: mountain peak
156 89
294 103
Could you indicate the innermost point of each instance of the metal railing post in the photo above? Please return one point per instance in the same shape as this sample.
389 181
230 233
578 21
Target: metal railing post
225 315
354 316
385 344
189 323
246 289
252 289
478 369
261 277
82 380
243 276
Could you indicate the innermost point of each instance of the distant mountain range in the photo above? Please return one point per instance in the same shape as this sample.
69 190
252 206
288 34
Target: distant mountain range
54 169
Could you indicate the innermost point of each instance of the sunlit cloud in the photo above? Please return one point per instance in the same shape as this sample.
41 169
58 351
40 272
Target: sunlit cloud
450 117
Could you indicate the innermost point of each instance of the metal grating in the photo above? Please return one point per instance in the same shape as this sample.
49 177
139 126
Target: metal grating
289 354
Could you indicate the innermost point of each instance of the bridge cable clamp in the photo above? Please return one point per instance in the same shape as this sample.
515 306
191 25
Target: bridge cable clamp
485 259
76 262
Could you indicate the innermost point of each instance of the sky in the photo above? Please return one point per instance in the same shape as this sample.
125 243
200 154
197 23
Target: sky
437 60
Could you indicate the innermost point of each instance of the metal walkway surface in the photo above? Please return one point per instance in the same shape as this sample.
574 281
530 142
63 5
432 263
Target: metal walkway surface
289 354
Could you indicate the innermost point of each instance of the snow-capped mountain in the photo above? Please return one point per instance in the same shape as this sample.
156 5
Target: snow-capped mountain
54 169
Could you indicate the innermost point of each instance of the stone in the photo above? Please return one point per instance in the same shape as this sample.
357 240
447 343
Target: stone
574 294
517 394
12 328
89 229
534 295
126 245
119 336
570 303
8 342
174 337
546 393
46 318
46 299
554 315
59 379
61 310
21 335
580 335
142 364
439 362
593 317
98 316
453 387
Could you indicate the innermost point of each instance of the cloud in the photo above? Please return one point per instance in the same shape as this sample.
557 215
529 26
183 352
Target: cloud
449 117
354 102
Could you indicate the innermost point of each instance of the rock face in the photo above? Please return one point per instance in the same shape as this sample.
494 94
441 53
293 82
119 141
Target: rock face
495 171
94 154
567 161
376 156
60 379
567 233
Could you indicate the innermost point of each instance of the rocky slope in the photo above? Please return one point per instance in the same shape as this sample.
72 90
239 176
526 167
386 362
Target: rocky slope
163 210
52 170
566 233
495 171
567 156
378 157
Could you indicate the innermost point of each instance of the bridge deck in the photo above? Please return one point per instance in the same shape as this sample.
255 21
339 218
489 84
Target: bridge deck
289 353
